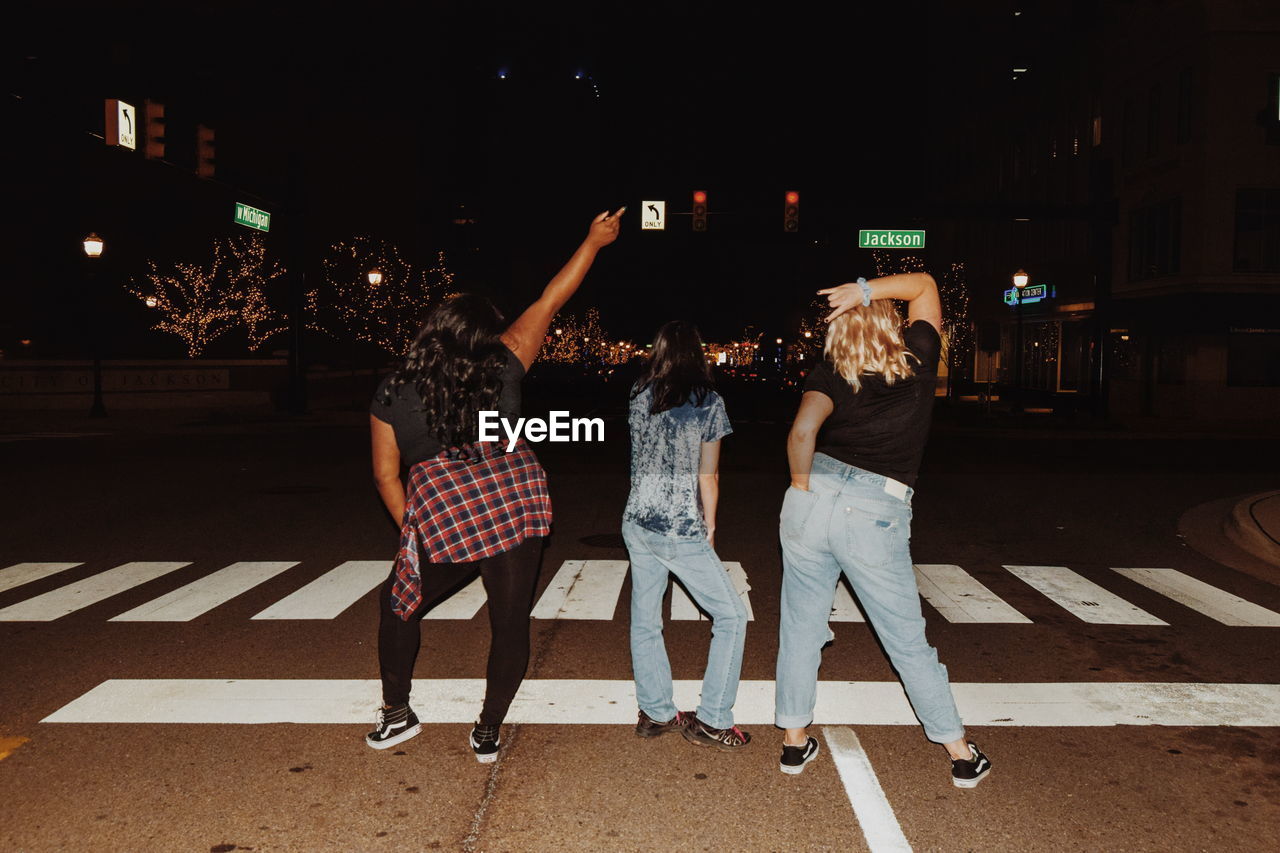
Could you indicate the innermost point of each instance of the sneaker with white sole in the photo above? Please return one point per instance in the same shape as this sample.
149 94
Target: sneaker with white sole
700 733
485 742
967 774
794 758
393 725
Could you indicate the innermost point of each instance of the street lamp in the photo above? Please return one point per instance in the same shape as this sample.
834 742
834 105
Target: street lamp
375 277
1020 280
93 246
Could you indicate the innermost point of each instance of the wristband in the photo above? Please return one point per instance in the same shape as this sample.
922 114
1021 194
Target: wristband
866 291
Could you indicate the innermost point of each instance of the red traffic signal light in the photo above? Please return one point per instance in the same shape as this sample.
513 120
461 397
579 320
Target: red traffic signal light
205 158
153 130
699 210
791 212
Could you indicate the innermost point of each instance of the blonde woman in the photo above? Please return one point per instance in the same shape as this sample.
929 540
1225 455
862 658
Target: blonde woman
854 450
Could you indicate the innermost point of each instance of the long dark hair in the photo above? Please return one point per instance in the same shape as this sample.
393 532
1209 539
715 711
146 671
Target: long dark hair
455 365
677 369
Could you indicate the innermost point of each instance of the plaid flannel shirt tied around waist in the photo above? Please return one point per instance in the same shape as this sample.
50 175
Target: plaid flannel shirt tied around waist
459 511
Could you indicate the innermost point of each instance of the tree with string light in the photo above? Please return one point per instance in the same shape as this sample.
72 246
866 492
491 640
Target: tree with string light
200 303
385 309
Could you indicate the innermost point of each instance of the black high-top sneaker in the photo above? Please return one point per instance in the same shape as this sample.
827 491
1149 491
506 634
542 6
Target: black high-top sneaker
394 725
485 743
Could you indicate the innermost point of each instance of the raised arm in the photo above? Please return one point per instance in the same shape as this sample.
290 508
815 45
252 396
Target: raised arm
524 336
918 289
815 407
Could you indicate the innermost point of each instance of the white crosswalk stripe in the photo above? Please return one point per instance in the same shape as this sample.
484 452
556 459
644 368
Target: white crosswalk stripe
23 573
959 597
201 596
612 702
67 599
331 593
592 590
583 589
1199 596
1082 597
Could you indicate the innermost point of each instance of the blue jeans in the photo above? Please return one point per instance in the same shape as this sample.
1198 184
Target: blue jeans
846 522
654 557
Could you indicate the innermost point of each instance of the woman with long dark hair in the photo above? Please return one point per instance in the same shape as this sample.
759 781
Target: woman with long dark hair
855 449
470 506
677 420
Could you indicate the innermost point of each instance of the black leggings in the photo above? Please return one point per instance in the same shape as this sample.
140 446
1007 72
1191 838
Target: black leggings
509 579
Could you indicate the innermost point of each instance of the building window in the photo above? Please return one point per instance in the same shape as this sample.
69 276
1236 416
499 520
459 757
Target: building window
1153 121
1184 107
1257 230
1253 358
1155 240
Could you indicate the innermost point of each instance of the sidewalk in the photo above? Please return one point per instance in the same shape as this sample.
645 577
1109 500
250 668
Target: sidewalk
1242 532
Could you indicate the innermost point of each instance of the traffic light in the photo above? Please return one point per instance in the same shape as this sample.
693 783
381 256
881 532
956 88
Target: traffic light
153 130
205 158
791 212
699 210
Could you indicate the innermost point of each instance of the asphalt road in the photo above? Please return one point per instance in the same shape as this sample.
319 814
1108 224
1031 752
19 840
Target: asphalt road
137 734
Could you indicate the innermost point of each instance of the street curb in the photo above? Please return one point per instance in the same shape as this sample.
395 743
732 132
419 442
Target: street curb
1253 525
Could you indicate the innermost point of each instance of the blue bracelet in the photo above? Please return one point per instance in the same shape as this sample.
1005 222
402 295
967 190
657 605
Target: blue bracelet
866 291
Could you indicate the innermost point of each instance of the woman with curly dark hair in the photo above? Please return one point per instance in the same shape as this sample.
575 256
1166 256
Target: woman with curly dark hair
471 507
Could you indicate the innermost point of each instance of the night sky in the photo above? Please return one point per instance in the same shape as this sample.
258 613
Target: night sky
393 120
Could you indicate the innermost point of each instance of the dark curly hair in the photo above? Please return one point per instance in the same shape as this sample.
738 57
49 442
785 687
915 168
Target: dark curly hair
455 365
677 371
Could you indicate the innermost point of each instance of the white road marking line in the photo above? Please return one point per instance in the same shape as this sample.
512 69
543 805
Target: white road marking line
1083 597
201 596
845 609
68 599
583 589
463 604
331 593
21 573
875 816
960 597
608 702
1199 596
683 608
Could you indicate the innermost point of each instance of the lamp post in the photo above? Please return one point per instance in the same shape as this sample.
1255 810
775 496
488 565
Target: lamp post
375 277
93 245
1020 280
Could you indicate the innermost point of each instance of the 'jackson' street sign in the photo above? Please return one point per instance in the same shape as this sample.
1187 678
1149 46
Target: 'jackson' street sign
890 239
251 217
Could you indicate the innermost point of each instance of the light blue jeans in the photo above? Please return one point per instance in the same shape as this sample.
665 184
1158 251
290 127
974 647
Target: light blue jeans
655 556
846 522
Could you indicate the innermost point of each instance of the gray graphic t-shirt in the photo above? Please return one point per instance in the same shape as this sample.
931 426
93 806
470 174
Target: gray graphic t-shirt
665 451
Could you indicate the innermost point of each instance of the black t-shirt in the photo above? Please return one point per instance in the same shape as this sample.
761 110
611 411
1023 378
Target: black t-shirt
404 412
882 428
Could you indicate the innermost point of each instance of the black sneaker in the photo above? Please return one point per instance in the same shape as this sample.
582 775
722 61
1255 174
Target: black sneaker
967 774
394 725
794 758
700 733
647 726
485 742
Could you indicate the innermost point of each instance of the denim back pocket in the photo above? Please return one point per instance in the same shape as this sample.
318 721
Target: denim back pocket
797 507
879 532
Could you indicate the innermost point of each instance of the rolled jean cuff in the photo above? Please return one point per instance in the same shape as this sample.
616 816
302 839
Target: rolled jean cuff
794 721
948 738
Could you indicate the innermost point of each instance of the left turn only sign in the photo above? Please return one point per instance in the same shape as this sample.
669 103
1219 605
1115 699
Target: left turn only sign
122 124
653 216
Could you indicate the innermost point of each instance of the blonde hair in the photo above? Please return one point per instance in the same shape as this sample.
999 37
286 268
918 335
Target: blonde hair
867 340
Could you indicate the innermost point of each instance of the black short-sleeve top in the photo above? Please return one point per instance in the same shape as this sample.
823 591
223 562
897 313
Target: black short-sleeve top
403 410
882 428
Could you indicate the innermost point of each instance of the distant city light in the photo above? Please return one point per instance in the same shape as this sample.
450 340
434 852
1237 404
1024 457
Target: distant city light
502 74
1019 71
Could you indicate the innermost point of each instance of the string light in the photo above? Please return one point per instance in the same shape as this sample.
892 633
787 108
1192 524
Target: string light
199 303
388 314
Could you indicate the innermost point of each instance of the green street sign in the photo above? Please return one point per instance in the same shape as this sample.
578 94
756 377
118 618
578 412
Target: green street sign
251 217
890 239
